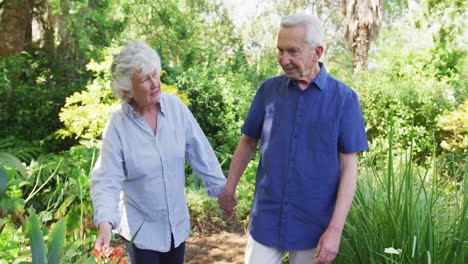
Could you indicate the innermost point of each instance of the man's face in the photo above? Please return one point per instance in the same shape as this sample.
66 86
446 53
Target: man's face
294 55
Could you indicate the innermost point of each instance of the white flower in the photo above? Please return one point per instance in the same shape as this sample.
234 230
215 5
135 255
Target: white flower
391 250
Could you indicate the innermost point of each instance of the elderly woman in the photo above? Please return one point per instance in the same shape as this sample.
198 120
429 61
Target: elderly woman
139 177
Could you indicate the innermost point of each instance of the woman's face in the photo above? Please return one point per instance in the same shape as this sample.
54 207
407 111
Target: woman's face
146 89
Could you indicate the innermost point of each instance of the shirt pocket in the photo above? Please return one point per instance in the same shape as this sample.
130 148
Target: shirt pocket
141 161
322 136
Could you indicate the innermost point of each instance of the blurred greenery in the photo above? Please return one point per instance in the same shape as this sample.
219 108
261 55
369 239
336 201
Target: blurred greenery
56 99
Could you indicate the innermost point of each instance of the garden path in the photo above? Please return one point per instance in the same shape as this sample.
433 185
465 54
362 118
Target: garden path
225 247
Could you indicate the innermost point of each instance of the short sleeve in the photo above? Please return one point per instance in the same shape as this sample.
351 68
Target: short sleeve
352 133
254 121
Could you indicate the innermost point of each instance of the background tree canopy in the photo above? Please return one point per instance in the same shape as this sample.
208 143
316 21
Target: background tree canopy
406 59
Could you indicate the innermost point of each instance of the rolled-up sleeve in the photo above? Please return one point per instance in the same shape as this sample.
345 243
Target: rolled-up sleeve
107 178
201 157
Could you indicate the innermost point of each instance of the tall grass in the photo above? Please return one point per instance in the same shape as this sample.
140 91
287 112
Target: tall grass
412 210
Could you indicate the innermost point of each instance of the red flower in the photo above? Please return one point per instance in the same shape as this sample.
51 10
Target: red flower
110 256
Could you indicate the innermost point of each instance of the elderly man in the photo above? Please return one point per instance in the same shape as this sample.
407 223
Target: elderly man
310 127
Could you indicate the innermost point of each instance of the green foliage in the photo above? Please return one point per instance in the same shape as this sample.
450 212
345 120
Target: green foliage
399 205
59 185
36 238
404 85
12 241
204 211
90 25
456 124
12 177
3 182
449 52
33 94
245 191
454 142
36 82
219 102
55 243
85 113
186 33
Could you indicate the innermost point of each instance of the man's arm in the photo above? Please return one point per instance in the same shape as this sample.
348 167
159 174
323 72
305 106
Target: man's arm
329 243
244 151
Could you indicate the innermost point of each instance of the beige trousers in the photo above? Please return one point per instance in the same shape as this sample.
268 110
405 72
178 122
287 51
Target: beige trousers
256 253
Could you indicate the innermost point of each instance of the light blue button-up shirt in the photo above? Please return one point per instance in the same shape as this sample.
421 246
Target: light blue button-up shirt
140 176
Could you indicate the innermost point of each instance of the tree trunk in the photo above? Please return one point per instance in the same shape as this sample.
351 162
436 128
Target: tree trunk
15 25
47 22
361 48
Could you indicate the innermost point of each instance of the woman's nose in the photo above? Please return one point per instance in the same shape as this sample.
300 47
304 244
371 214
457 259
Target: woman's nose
155 81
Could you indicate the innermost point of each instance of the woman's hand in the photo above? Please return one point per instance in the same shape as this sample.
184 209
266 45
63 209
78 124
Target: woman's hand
104 237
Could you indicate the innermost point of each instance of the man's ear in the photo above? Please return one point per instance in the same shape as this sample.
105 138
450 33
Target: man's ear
318 52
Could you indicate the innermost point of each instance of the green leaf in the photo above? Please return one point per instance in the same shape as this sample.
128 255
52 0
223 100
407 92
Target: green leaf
56 242
62 210
36 239
129 245
3 181
13 161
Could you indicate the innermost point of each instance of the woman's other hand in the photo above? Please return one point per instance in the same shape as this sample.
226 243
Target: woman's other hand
104 237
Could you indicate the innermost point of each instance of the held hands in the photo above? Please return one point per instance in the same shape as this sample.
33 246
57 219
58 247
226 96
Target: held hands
227 202
104 237
328 246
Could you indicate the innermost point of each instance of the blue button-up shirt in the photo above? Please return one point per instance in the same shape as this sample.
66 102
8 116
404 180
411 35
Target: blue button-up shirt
301 135
140 177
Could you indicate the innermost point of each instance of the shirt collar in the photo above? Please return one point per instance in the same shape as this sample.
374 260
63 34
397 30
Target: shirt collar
163 104
128 109
320 80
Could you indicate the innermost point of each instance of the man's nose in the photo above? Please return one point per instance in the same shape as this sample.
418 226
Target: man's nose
283 58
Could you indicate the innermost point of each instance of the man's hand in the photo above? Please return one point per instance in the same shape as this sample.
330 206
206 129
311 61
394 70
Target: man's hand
328 246
227 202
104 237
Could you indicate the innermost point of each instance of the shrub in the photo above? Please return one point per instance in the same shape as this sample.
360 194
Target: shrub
404 214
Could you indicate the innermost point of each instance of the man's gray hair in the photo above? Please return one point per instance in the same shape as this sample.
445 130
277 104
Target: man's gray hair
313 27
136 58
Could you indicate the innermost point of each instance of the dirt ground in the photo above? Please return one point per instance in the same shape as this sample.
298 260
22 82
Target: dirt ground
211 243
216 248
216 242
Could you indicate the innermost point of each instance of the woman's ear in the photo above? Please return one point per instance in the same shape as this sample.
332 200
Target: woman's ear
128 93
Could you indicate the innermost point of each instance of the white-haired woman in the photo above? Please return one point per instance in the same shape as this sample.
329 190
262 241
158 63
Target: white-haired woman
139 177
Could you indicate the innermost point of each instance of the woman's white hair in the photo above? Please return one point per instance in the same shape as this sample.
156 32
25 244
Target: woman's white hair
136 58
313 27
